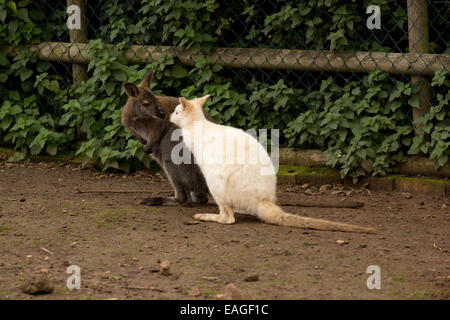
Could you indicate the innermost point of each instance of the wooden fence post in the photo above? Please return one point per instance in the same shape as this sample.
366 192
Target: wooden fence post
418 43
79 71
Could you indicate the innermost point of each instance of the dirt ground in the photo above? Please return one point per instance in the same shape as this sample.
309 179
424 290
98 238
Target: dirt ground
46 225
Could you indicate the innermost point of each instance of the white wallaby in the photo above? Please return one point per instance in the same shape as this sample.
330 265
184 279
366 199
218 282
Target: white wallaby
238 171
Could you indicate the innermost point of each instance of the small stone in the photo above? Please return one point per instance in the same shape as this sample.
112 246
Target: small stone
44 270
444 206
195 292
46 258
233 293
407 195
219 296
252 278
324 188
309 192
34 286
164 268
349 193
305 186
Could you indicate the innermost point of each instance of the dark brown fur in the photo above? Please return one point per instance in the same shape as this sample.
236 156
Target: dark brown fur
147 117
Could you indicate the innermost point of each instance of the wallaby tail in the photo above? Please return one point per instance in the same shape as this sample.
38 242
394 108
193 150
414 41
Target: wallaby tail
273 214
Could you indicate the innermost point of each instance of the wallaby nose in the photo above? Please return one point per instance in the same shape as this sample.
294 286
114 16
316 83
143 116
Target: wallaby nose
161 113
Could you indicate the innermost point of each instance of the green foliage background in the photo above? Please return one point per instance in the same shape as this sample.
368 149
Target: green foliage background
363 122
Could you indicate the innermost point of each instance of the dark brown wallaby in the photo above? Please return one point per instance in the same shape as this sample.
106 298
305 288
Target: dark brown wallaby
146 116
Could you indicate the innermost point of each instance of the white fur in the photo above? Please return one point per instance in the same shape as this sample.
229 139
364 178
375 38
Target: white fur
239 184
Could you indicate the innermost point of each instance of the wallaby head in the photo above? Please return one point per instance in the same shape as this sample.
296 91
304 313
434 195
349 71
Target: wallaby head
142 102
189 111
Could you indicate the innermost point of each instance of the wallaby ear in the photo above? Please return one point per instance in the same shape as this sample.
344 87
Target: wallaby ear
184 103
131 89
147 79
202 100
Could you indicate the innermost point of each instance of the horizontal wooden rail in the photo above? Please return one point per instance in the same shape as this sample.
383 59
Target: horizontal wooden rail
311 60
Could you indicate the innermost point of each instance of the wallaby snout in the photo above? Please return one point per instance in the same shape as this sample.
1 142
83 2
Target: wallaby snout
161 113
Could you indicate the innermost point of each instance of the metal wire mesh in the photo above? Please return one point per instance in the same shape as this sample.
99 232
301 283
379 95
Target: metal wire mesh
263 24
302 43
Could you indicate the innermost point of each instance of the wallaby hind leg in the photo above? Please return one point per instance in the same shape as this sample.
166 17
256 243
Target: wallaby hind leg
225 216
159 201
180 198
199 197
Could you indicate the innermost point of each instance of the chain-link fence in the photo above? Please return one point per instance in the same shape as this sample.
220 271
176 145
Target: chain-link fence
257 44
267 40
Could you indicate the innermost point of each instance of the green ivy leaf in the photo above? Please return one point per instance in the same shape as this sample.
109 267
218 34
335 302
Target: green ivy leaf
178 71
37 145
3 14
25 74
414 102
16 157
120 75
52 149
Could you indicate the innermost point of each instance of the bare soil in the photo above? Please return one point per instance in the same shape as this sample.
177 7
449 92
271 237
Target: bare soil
46 226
